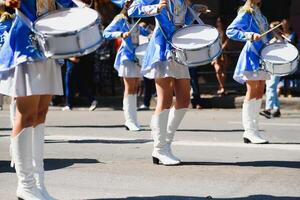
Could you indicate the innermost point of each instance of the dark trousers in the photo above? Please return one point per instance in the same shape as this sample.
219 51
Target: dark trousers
78 76
195 86
148 90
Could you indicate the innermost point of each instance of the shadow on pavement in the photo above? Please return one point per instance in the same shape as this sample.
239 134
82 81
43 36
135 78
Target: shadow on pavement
5 129
101 141
210 130
283 164
172 197
87 126
51 164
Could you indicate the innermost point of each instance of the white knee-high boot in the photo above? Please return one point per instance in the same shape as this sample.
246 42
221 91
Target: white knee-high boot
175 118
12 112
21 151
130 113
159 133
251 134
258 103
38 159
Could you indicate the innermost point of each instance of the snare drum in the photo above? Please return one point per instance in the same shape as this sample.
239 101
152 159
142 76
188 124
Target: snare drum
280 59
140 52
196 45
68 32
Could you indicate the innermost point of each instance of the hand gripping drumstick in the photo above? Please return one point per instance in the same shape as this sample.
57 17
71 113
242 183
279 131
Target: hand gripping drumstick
272 29
287 39
136 23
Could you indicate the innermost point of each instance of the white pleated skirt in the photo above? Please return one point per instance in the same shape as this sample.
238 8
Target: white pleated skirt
129 69
256 76
170 68
32 78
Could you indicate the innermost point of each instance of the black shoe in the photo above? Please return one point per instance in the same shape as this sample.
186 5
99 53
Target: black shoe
266 114
276 113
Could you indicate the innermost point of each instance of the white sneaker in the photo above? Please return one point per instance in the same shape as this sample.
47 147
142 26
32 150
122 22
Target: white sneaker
93 105
143 107
66 108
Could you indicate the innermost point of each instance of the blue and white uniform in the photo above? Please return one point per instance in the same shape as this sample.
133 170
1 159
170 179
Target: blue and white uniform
158 61
24 70
125 62
242 29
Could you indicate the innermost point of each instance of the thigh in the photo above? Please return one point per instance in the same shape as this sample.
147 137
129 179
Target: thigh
182 90
165 90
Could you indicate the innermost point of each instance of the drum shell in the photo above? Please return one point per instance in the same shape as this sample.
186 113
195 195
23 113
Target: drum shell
198 56
74 43
279 69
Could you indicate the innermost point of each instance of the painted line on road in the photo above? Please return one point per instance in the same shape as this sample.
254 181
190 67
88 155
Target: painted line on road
270 124
293 147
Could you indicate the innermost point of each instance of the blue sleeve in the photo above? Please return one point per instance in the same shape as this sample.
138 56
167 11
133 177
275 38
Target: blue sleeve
143 8
113 30
238 29
144 31
66 3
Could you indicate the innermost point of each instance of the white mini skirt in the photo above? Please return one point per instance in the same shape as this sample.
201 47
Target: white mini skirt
170 68
256 76
32 78
129 69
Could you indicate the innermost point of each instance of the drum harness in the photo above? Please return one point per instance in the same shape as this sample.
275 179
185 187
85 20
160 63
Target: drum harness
196 17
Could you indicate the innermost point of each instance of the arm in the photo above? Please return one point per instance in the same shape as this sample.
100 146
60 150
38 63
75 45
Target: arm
238 29
112 31
144 8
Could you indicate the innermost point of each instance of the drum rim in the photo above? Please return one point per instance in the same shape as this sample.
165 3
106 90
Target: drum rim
283 63
95 22
196 49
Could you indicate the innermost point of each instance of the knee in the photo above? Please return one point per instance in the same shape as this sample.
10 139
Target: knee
27 120
183 102
41 115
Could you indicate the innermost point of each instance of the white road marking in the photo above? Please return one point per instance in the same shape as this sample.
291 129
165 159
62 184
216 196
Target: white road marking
270 124
292 147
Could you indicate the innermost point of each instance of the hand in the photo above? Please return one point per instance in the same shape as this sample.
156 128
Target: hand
162 4
126 35
13 3
199 8
256 37
74 59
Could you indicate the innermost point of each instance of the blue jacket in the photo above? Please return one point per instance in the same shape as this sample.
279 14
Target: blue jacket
4 30
18 46
114 30
159 48
241 29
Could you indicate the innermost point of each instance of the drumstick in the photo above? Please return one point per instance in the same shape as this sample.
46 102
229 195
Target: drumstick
272 29
288 39
136 23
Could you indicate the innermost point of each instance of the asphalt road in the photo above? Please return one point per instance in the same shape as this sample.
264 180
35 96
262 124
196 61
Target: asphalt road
89 155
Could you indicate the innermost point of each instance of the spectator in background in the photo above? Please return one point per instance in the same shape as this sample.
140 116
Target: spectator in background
196 96
149 88
289 82
272 108
78 72
220 64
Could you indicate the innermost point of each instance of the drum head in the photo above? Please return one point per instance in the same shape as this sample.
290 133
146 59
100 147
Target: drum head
67 20
195 37
279 53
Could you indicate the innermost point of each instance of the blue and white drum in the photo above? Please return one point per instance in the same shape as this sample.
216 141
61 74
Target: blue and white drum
196 45
68 32
280 59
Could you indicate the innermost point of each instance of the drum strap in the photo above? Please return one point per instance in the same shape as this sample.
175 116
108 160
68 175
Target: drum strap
196 17
25 19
